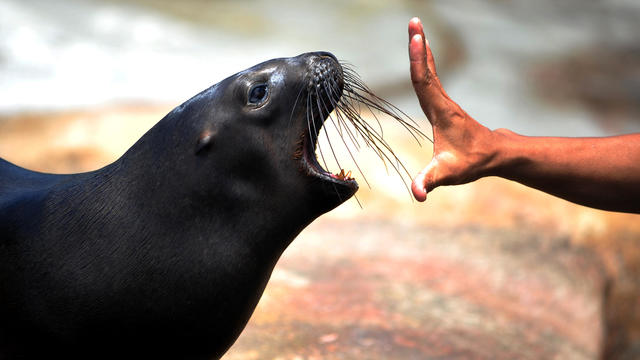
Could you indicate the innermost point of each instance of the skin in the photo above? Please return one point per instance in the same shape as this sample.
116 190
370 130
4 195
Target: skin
602 173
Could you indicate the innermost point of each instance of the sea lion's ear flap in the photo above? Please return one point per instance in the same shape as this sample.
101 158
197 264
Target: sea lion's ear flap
204 142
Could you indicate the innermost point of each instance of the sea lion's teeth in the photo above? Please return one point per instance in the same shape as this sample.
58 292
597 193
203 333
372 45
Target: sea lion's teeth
342 175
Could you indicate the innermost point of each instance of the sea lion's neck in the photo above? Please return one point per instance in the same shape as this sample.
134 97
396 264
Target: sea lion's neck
178 211
160 176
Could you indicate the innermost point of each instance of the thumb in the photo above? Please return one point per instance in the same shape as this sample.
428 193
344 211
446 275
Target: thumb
424 181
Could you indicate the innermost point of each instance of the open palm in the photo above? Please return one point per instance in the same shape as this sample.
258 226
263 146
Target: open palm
461 144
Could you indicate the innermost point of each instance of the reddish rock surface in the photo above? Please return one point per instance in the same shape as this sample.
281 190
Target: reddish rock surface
370 289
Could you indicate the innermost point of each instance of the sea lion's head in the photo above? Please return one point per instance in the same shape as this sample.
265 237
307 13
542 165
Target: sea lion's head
253 135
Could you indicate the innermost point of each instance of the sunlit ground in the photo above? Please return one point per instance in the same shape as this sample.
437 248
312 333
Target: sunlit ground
486 270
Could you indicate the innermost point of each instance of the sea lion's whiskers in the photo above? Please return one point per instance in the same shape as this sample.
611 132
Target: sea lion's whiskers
311 95
341 120
320 113
334 98
361 126
351 105
349 113
344 124
384 156
335 103
352 95
355 81
370 135
413 130
321 105
313 123
375 139
347 118
387 108
370 141
293 109
365 133
338 127
398 114
350 134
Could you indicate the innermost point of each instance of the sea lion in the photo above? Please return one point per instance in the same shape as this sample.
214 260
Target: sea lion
165 252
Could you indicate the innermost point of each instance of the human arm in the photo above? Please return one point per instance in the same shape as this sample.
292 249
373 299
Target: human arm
598 172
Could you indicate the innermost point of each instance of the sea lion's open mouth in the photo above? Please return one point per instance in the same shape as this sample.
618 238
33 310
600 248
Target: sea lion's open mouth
313 168
324 88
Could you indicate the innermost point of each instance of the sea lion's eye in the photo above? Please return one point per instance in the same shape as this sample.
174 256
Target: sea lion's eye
258 94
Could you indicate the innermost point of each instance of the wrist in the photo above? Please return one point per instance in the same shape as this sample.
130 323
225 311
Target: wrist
504 155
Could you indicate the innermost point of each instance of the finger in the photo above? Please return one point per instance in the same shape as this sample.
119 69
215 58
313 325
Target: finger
431 63
428 92
416 28
418 63
417 55
422 182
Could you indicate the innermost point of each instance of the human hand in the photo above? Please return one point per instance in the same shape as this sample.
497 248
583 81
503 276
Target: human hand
461 146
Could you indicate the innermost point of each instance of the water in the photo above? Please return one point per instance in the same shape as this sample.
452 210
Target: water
73 53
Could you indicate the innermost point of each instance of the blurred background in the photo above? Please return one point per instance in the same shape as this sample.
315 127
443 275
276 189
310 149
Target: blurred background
481 271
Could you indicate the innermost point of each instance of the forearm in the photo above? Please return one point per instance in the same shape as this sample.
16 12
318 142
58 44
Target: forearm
598 172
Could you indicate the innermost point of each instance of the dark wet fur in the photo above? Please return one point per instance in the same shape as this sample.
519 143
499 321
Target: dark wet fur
349 104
